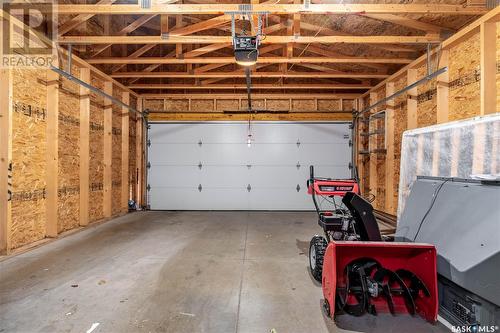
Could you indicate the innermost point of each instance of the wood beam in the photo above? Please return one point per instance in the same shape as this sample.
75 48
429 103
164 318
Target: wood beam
389 145
84 147
443 90
198 39
52 155
373 160
139 147
244 96
6 100
262 60
488 49
411 100
242 74
108 150
125 154
202 9
220 116
254 86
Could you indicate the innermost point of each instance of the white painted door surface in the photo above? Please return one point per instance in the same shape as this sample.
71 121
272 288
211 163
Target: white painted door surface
209 166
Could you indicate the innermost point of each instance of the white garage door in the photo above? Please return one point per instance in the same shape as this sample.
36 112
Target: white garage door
209 166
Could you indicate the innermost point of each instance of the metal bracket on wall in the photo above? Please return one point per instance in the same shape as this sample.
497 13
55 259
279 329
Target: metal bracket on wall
200 188
298 165
148 165
148 187
200 143
298 188
249 166
148 143
298 143
249 188
200 165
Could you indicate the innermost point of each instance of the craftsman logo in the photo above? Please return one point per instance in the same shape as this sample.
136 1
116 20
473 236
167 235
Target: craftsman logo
474 329
27 34
336 188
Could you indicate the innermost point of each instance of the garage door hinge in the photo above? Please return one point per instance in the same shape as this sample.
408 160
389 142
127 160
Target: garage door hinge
350 166
200 188
249 188
148 187
148 165
298 188
249 166
200 165
346 136
298 165
298 143
148 143
200 143
350 143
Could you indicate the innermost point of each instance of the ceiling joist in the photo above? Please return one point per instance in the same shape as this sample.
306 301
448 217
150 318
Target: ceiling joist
214 9
85 40
262 60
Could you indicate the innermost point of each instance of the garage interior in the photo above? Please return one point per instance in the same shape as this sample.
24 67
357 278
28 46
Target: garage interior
155 174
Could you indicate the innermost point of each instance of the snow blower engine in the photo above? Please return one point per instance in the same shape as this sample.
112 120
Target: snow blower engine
359 272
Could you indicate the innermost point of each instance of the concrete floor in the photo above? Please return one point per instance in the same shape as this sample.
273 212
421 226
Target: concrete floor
218 272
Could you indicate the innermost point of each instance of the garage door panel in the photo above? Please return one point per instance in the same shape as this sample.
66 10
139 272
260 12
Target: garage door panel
174 133
224 153
274 176
323 133
336 154
224 199
280 199
174 154
273 154
224 176
177 176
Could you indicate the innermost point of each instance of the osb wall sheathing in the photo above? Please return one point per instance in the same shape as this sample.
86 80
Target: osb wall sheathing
400 125
202 105
96 172
256 104
348 105
116 164
227 104
69 158
278 104
28 156
176 105
464 65
153 104
304 105
328 105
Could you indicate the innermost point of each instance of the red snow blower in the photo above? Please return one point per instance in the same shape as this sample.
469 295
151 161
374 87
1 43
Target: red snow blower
360 273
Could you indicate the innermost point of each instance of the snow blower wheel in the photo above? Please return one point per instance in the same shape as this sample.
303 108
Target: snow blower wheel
317 248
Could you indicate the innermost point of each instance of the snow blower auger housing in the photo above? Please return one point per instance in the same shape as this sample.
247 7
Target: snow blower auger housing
372 277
